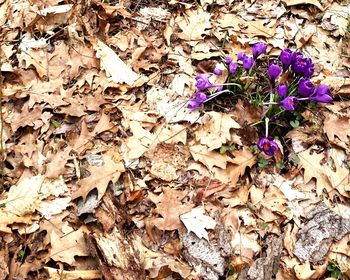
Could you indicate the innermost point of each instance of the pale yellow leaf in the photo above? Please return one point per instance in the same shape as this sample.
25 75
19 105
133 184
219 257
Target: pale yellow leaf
64 248
117 71
194 24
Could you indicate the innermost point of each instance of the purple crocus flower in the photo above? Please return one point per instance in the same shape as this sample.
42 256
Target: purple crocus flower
228 60
322 94
305 87
217 71
248 62
282 90
289 103
269 147
309 69
203 82
241 56
233 67
274 71
197 101
300 65
286 58
258 49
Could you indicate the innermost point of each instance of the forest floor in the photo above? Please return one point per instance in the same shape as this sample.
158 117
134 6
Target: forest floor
107 174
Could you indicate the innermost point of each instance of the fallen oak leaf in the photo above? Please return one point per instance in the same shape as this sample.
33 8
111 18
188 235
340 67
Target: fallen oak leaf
216 130
100 177
197 222
170 207
194 24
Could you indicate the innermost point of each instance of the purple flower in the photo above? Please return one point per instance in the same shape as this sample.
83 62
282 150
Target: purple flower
233 67
203 82
303 66
305 87
274 71
309 69
197 101
241 56
289 103
248 62
322 94
299 65
258 49
286 58
228 60
282 90
269 147
217 71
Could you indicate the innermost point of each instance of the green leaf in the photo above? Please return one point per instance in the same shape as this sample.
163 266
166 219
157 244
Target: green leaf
280 165
262 162
294 124
225 148
311 105
295 159
334 269
254 149
55 123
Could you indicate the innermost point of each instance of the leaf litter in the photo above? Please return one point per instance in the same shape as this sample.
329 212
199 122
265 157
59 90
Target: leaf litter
106 174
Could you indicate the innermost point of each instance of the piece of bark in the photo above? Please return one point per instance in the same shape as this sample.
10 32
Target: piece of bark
265 267
316 236
117 259
200 253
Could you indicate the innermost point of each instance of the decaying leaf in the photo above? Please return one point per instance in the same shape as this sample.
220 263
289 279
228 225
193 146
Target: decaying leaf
170 207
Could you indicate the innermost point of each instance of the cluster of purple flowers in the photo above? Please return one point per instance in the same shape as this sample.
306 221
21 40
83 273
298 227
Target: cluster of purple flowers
281 94
304 68
202 80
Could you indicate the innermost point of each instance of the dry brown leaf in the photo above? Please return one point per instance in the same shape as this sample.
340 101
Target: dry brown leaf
209 158
57 163
26 117
64 247
116 70
170 207
252 28
216 130
328 169
298 2
100 177
337 126
236 168
194 24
